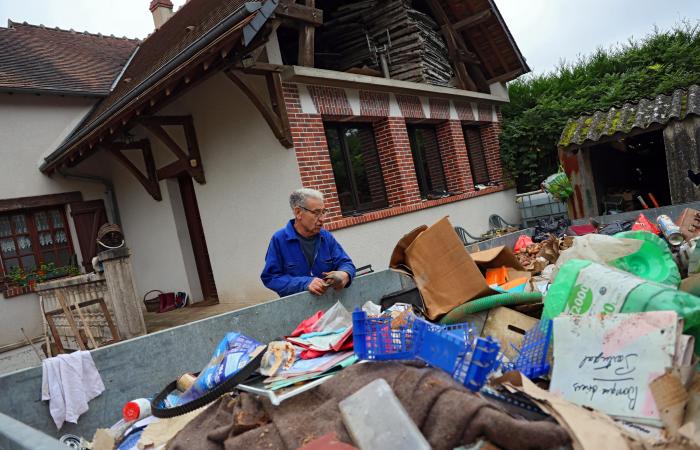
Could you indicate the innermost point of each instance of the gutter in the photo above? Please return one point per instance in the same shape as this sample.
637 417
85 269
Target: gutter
64 92
249 31
112 206
121 72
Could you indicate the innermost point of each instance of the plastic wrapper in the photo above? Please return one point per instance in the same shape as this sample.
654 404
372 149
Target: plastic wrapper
232 354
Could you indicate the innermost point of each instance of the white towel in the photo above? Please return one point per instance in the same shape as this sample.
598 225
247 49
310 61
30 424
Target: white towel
69 382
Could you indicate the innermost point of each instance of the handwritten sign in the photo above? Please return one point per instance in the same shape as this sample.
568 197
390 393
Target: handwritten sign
607 361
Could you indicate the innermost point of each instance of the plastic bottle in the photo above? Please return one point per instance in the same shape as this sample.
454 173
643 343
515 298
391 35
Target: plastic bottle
137 409
585 287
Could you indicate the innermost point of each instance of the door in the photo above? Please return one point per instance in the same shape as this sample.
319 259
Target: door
199 243
88 217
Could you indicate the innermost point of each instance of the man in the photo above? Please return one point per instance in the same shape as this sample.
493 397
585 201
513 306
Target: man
303 256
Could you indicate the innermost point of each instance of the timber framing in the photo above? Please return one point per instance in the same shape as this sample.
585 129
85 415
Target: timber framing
189 160
149 179
274 111
467 64
295 12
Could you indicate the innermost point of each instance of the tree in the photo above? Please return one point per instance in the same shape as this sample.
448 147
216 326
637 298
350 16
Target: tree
540 105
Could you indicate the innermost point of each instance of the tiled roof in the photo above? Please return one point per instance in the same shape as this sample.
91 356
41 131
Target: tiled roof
41 59
640 115
159 56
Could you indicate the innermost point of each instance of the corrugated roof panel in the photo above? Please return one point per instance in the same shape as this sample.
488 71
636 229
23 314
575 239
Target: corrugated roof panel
641 115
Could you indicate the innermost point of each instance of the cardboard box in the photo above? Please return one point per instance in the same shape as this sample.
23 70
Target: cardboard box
496 257
443 271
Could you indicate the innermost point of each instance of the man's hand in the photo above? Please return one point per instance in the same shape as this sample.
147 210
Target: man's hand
317 286
337 278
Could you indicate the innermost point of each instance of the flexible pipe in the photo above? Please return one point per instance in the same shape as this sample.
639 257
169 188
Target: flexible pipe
459 314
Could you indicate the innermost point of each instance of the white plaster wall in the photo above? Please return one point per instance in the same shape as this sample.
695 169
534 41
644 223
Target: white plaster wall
249 178
372 243
31 127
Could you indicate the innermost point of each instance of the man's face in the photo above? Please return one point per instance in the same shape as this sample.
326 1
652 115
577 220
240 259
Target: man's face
311 217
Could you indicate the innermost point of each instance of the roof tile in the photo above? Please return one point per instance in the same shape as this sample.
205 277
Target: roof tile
34 57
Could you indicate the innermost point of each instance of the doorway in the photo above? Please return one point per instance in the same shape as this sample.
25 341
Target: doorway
199 243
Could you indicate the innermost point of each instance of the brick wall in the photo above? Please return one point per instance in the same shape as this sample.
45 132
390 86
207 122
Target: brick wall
492 150
311 150
454 156
393 148
397 161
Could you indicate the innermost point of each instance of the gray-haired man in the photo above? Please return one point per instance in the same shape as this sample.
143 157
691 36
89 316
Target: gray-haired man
303 256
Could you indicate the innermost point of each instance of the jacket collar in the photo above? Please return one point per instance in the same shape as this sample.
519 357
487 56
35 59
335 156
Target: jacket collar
291 234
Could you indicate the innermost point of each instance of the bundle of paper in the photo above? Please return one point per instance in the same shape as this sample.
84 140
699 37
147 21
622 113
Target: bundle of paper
617 363
310 366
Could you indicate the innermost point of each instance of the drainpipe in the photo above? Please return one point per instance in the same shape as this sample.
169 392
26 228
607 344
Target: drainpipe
112 207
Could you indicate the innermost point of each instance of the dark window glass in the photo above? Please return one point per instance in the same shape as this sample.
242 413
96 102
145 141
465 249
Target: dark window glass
427 160
356 168
29 238
477 156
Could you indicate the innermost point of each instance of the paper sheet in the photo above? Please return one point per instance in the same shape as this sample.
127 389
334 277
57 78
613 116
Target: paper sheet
607 362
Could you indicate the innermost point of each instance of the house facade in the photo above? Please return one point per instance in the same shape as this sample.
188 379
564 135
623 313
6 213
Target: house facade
229 106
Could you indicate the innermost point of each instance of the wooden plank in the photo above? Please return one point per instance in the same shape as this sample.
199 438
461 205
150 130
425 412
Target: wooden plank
71 320
195 160
302 13
40 201
274 86
164 137
471 21
506 76
172 170
306 41
149 181
270 116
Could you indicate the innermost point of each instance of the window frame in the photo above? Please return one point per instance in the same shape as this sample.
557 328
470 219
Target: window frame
418 162
33 234
471 156
358 207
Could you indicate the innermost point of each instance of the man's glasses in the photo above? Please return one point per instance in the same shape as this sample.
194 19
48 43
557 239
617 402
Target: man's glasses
317 213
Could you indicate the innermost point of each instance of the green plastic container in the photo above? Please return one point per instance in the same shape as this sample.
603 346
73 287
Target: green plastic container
585 287
653 261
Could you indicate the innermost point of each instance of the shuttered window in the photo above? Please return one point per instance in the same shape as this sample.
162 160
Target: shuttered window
477 155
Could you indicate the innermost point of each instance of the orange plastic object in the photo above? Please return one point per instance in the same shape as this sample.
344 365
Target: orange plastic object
496 276
514 283
644 224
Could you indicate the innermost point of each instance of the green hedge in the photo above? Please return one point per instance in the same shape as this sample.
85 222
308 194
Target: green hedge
540 105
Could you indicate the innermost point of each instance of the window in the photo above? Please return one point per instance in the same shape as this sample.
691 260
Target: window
426 158
358 175
29 238
477 156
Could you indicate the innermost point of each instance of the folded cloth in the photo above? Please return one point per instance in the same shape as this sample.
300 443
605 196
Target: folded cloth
69 382
446 413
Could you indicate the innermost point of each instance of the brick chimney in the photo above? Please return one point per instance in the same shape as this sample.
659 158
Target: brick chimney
161 10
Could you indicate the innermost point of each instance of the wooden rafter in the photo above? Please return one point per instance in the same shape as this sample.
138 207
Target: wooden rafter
188 161
473 78
148 180
273 112
473 20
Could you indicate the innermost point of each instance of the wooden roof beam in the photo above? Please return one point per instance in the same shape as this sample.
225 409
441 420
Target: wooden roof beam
473 20
300 13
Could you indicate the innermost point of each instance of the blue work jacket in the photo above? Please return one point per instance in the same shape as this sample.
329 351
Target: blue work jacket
286 269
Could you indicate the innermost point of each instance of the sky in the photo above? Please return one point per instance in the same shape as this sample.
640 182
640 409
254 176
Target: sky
546 31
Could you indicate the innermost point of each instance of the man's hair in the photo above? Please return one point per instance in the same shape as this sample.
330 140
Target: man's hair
298 197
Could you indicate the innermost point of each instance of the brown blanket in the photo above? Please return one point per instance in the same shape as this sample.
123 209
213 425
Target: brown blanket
446 413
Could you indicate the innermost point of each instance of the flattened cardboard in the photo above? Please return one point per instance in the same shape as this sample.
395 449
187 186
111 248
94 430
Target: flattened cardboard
496 257
443 271
504 325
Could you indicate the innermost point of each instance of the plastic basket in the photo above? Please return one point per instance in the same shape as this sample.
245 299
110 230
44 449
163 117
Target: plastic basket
448 347
532 359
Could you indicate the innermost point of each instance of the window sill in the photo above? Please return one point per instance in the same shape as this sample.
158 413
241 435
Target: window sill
345 222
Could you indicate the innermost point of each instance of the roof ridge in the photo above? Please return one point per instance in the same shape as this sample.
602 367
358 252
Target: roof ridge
13 24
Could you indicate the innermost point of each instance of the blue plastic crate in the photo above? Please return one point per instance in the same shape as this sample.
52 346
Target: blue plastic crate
532 359
448 347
